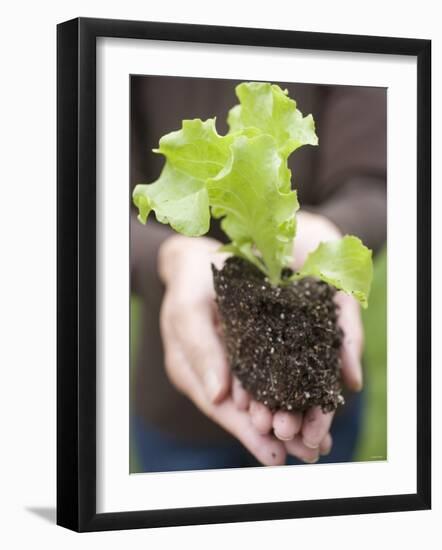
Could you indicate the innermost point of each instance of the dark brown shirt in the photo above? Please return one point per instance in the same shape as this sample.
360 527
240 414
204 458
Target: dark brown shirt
344 179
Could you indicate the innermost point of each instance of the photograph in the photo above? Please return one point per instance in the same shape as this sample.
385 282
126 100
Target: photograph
258 273
219 321
243 313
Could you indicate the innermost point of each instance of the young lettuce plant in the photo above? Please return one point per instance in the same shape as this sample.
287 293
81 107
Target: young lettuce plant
243 178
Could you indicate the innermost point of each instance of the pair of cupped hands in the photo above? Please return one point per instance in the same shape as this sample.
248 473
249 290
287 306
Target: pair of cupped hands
197 365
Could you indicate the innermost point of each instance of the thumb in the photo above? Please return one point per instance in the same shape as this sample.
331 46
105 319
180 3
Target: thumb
352 345
203 349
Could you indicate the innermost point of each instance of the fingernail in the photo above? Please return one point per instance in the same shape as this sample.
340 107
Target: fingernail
212 384
310 445
312 460
326 452
282 438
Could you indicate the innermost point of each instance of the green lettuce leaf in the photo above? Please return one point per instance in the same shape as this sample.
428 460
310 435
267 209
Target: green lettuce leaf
345 263
179 196
269 109
177 199
256 212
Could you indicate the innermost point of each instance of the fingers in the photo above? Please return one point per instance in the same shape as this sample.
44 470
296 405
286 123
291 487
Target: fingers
286 425
203 349
296 447
264 447
261 417
315 427
240 396
350 322
326 445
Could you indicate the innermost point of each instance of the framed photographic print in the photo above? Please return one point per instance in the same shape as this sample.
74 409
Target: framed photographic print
243 274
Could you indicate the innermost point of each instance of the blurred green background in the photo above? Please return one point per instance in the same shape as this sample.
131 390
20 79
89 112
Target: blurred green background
372 443
373 439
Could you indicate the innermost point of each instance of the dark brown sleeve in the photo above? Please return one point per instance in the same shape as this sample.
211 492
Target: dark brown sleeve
145 241
352 171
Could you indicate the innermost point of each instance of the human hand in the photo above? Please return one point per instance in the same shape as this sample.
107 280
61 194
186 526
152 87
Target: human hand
195 359
306 436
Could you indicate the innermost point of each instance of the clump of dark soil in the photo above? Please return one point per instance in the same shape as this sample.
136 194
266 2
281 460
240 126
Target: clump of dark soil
282 341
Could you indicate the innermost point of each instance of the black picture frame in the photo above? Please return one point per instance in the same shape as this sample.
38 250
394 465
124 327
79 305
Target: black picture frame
76 273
